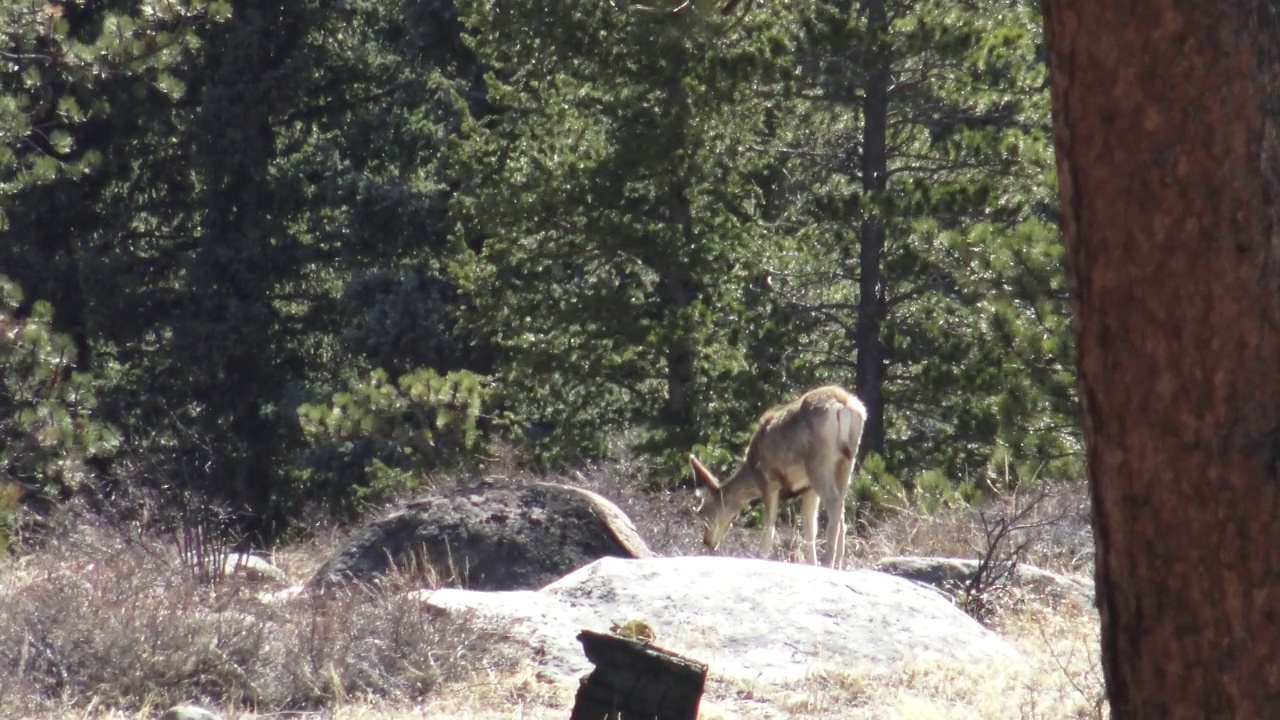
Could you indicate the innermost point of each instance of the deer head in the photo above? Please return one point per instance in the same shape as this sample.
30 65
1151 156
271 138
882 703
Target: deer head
719 503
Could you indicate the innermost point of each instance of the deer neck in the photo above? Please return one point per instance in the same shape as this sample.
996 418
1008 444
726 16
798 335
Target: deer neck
740 490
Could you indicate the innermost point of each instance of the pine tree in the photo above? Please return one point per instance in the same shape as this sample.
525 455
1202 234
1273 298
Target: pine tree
208 194
918 152
612 210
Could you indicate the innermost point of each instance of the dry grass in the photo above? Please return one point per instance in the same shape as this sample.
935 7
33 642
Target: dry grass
1062 541
105 627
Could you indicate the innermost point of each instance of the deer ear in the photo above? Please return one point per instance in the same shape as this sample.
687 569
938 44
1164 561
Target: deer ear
703 480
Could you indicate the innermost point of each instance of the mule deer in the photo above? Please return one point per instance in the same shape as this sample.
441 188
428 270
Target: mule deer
805 448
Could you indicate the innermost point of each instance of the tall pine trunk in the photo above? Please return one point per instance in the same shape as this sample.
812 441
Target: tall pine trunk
868 333
1165 136
682 354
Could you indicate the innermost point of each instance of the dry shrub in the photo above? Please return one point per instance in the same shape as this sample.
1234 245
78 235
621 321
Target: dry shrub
1062 540
124 628
664 516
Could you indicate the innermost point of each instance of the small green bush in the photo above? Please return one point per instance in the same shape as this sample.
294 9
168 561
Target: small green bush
377 438
48 429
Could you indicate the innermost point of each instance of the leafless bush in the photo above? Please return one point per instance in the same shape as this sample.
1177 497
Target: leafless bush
205 540
129 630
1062 541
1007 533
663 517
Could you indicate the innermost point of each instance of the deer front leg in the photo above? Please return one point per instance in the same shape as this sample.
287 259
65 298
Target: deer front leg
809 524
770 521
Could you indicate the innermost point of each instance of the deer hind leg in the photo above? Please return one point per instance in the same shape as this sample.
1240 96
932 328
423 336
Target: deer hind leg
835 513
809 519
835 532
833 504
830 491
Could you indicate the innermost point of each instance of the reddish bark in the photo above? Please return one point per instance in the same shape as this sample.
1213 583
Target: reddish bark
1165 157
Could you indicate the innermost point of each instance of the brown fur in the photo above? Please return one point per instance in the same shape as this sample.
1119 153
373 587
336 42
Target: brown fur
805 448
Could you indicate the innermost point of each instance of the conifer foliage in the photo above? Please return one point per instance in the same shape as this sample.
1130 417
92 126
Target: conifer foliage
308 253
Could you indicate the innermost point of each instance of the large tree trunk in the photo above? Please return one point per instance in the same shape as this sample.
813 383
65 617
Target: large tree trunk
1165 156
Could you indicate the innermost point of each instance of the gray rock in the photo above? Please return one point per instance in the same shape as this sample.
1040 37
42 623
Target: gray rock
530 624
252 568
489 537
188 712
748 619
284 596
947 574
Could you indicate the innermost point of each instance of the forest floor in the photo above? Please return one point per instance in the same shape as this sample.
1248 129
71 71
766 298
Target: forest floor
104 624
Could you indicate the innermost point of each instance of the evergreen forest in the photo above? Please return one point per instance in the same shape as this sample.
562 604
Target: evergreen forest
292 258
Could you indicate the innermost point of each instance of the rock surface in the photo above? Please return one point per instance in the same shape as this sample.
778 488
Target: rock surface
489 537
748 619
251 568
949 573
188 712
